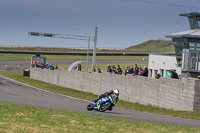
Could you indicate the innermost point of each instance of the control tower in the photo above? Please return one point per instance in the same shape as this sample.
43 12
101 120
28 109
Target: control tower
189 39
186 60
187 46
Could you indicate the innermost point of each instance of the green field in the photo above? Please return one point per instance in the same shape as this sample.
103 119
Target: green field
24 119
27 57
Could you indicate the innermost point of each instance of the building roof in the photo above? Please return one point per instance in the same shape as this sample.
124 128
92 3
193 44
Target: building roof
194 33
192 14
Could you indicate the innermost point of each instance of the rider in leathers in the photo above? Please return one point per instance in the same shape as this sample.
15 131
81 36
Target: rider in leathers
107 94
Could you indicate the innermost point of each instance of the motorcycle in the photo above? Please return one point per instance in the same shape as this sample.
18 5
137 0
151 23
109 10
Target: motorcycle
103 104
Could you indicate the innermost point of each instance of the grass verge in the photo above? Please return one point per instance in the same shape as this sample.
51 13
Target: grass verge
89 96
21 118
27 57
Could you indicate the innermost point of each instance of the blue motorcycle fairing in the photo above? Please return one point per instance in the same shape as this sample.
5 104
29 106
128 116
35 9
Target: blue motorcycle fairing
106 100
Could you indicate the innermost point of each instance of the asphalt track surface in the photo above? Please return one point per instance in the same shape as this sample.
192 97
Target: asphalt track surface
16 92
13 65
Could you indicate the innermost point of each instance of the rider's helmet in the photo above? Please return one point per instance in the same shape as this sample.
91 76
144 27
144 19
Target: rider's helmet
116 93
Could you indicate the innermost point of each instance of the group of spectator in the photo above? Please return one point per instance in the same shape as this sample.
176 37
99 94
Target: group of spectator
99 70
113 69
117 70
42 66
129 70
137 71
170 74
49 66
77 67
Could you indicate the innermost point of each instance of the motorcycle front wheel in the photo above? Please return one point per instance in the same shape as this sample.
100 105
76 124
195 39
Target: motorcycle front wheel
89 107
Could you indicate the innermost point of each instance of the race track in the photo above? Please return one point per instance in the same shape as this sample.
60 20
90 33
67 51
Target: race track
15 92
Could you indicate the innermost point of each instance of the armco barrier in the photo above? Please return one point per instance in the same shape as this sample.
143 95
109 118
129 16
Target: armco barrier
164 93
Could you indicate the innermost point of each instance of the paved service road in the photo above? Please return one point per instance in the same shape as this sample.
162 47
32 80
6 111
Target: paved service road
13 65
15 92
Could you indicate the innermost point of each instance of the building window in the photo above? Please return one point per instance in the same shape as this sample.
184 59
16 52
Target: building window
197 46
194 45
199 64
162 72
179 46
193 22
184 60
198 20
193 61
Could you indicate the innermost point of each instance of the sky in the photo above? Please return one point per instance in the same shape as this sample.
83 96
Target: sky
121 23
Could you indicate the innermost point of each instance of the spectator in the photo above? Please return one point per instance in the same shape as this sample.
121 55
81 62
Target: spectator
113 68
56 67
34 63
157 75
119 70
99 70
109 68
140 73
48 66
75 67
136 70
131 71
79 67
174 74
42 66
127 70
145 72
199 76
169 74
51 67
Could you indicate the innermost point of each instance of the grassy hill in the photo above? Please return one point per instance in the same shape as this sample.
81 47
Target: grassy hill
158 46
151 46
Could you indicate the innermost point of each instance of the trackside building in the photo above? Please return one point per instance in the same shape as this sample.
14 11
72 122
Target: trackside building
186 60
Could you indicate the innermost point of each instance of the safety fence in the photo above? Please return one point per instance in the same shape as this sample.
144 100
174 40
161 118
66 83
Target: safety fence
177 94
